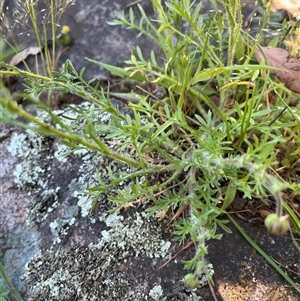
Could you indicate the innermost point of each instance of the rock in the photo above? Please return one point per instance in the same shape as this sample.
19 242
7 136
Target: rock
55 249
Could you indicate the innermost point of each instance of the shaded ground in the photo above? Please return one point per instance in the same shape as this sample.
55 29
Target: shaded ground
54 249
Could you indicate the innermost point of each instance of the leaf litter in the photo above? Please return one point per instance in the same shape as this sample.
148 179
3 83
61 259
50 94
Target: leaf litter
280 58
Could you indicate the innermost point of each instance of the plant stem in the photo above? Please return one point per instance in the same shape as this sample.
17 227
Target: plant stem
56 83
9 285
53 26
49 130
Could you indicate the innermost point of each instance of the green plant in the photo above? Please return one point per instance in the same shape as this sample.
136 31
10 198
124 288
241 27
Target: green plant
193 68
10 288
3 293
210 137
40 18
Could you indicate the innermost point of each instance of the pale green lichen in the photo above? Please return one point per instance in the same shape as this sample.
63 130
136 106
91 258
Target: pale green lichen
124 238
135 235
61 225
203 278
33 152
156 293
61 153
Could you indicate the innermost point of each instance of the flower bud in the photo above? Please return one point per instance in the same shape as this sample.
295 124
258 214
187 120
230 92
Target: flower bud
277 224
64 38
191 282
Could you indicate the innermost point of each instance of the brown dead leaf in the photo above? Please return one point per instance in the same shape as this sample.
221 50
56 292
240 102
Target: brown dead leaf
22 55
280 58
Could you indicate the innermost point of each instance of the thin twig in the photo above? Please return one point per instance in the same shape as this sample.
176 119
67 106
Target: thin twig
212 291
173 257
290 270
277 116
133 3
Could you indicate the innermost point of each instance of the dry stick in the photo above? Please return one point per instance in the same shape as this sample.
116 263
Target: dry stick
290 270
133 3
212 291
277 116
174 256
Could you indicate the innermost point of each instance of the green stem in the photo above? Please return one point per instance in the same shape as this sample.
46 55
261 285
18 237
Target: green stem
53 26
9 285
47 129
257 39
31 9
25 74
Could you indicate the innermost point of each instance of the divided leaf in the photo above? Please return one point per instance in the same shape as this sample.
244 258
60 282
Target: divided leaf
280 58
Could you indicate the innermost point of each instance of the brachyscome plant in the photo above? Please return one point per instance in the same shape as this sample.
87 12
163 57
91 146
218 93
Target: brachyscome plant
208 138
